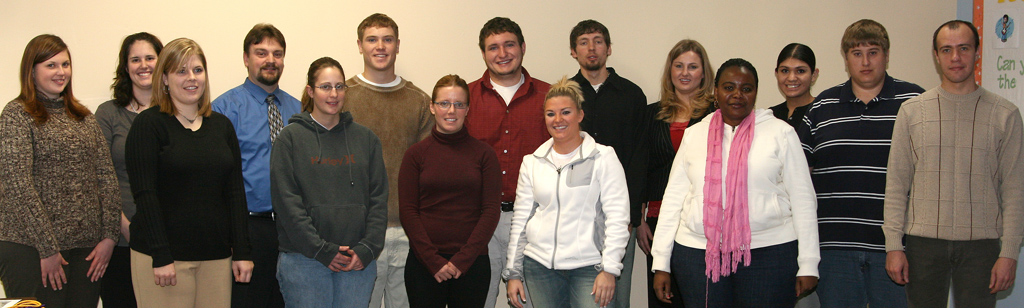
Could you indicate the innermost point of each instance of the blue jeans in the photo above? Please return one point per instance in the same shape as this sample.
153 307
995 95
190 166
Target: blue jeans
559 288
769 281
852 278
306 282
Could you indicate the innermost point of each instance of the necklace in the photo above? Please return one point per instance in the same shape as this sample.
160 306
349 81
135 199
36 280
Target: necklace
190 121
134 107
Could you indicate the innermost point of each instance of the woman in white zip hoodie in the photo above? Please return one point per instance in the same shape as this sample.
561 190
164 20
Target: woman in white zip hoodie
745 235
569 224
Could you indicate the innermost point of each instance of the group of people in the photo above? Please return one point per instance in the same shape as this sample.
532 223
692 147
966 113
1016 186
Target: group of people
381 192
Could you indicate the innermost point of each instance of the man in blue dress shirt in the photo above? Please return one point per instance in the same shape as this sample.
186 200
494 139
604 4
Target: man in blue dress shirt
259 109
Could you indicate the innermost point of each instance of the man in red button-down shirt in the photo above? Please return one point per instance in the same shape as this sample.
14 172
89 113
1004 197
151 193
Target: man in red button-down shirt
507 114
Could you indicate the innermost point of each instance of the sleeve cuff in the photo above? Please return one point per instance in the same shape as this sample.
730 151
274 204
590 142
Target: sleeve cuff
893 242
1009 247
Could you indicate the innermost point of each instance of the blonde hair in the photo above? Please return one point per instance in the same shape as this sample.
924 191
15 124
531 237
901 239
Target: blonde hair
671 106
172 57
566 87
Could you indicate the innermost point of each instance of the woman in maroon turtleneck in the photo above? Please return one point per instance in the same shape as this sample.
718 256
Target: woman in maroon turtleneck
449 197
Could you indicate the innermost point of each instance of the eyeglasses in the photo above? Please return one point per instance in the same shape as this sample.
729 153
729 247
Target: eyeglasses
327 88
447 104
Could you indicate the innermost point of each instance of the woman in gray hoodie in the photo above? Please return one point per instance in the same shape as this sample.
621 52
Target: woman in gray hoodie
329 190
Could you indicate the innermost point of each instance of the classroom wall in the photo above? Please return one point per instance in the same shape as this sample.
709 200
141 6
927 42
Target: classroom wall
440 37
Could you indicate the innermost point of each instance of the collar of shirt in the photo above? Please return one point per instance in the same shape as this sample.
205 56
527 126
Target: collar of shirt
888 91
259 94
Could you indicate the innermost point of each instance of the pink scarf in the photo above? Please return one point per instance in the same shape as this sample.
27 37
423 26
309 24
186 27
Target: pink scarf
727 229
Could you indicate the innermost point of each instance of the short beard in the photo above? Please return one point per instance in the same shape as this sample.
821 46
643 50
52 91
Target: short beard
268 81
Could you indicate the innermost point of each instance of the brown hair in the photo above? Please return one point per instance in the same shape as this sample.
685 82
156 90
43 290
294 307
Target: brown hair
314 72
376 20
865 32
452 80
172 57
671 106
499 25
258 33
587 27
38 50
123 93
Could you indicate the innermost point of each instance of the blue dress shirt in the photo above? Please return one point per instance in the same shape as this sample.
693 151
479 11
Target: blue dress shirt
246 107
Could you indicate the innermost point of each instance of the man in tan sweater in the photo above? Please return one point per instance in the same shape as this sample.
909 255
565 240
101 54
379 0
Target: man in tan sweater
398 113
955 187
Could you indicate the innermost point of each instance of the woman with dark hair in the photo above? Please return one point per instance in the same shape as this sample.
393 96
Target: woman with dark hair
569 226
449 198
686 98
329 191
738 222
59 206
189 234
133 87
796 74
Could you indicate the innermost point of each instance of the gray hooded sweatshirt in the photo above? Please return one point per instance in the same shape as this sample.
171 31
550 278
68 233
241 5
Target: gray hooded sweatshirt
329 189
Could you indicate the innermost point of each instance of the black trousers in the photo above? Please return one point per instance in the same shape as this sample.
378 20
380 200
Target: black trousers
468 291
116 287
652 298
20 274
262 291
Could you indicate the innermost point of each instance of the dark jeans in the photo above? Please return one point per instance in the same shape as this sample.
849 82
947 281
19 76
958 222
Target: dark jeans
934 262
20 274
854 278
769 281
116 287
652 298
468 291
262 291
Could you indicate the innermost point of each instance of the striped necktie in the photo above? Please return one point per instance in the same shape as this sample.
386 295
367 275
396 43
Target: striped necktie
274 117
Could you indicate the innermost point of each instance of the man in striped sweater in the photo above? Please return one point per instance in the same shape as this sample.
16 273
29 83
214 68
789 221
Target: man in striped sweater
846 135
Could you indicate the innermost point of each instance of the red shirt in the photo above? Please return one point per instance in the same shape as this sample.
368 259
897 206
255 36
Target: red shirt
514 130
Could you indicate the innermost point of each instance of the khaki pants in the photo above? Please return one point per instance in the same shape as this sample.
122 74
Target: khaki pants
200 283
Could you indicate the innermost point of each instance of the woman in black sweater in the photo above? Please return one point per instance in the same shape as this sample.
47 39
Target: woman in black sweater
185 171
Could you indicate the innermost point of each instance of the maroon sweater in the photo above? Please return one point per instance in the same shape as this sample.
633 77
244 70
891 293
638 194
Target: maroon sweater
449 194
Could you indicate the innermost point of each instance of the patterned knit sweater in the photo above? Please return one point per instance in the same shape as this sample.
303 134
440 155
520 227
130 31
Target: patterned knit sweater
58 183
956 170
400 116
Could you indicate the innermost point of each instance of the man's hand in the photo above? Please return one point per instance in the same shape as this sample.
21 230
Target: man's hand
896 266
1003 274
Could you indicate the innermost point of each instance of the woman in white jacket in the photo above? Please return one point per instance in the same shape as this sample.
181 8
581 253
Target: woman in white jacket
738 221
569 224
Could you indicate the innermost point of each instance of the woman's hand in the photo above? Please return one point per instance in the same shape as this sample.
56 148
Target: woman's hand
100 257
663 286
644 237
53 271
604 288
516 293
242 270
804 285
350 259
165 276
449 271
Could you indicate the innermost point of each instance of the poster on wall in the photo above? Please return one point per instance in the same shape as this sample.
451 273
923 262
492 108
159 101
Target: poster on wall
1004 31
1002 69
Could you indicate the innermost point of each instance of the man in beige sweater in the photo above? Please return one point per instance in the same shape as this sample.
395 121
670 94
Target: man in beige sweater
398 113
955 187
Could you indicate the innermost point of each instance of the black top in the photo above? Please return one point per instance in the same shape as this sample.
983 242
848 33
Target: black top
188 189
782 113
615 116
662 153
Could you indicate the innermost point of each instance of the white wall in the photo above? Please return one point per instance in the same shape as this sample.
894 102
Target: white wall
440 37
